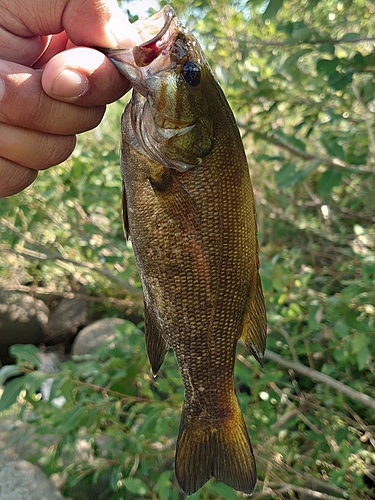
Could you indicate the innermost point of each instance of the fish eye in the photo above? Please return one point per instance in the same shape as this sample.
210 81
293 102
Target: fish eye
191 73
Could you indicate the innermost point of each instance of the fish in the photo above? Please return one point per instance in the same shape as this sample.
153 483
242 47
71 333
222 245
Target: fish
188 207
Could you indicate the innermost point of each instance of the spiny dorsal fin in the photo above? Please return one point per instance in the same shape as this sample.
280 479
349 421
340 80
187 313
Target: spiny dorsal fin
255 324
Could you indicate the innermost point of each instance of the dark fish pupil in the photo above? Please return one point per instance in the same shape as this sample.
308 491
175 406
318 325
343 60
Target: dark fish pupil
191 73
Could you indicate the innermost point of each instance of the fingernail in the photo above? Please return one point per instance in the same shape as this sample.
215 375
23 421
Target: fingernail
69 83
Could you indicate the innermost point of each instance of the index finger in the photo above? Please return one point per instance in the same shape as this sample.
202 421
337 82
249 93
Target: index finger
87 22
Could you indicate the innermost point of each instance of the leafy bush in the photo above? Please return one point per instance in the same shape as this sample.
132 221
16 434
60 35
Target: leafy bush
300 78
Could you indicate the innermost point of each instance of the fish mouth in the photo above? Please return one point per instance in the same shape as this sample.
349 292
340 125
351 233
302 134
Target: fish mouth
152 55
149 50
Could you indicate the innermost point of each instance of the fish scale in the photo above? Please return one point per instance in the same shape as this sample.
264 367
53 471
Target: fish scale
189 210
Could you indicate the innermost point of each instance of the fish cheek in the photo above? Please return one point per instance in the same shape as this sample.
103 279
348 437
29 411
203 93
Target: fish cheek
193 146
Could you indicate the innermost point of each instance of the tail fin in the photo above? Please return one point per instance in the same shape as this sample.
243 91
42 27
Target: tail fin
222 450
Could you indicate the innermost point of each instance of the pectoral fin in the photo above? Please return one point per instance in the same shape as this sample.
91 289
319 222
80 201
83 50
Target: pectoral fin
255 325
156 345
176 200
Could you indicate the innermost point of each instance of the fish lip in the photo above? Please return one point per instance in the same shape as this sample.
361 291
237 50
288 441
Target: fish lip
168 15
140 61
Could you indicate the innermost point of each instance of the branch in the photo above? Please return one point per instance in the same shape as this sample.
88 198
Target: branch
281 487
334 163
321 377
86 265
251 42
305 491
59 258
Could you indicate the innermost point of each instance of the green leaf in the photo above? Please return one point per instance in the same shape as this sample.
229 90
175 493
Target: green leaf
301 32
341 329
368 273
360 348
67 389
163 484
339 81
9 371
327 66
293 58
272 9
285 177
329 180
351 36
223 490
368 91
74 418
11 392
135 486
333 148
312 3
288 175
77 169
292 140
26 352
33 380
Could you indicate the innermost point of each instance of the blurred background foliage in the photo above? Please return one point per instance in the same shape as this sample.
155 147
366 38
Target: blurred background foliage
299 76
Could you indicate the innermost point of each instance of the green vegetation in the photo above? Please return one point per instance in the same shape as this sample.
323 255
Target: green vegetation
299 76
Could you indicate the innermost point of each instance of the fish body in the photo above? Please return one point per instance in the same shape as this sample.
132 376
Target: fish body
189 210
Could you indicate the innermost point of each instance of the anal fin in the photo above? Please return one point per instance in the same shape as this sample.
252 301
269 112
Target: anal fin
156 345
254 331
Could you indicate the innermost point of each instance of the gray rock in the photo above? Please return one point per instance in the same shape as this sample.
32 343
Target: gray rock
66 319
23 320
93 336
21 480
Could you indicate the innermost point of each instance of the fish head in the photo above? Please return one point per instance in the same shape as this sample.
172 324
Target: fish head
172 82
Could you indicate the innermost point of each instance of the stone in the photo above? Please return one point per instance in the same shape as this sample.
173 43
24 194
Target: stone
23 320
66 319
95 335
21 480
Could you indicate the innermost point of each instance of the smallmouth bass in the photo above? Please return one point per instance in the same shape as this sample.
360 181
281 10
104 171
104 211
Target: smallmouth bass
189 210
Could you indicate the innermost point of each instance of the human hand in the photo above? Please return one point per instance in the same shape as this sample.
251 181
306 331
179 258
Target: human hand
47 93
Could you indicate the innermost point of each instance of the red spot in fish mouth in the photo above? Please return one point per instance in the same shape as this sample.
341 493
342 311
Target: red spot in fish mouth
145 54
148 51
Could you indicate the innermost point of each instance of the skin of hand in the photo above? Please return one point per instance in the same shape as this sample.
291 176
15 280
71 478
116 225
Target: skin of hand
53 85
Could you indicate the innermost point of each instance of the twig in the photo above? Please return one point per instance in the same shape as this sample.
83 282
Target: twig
58 257
86 265
290 414
280 488
334 163
321 377
306 491
273 43
367 435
